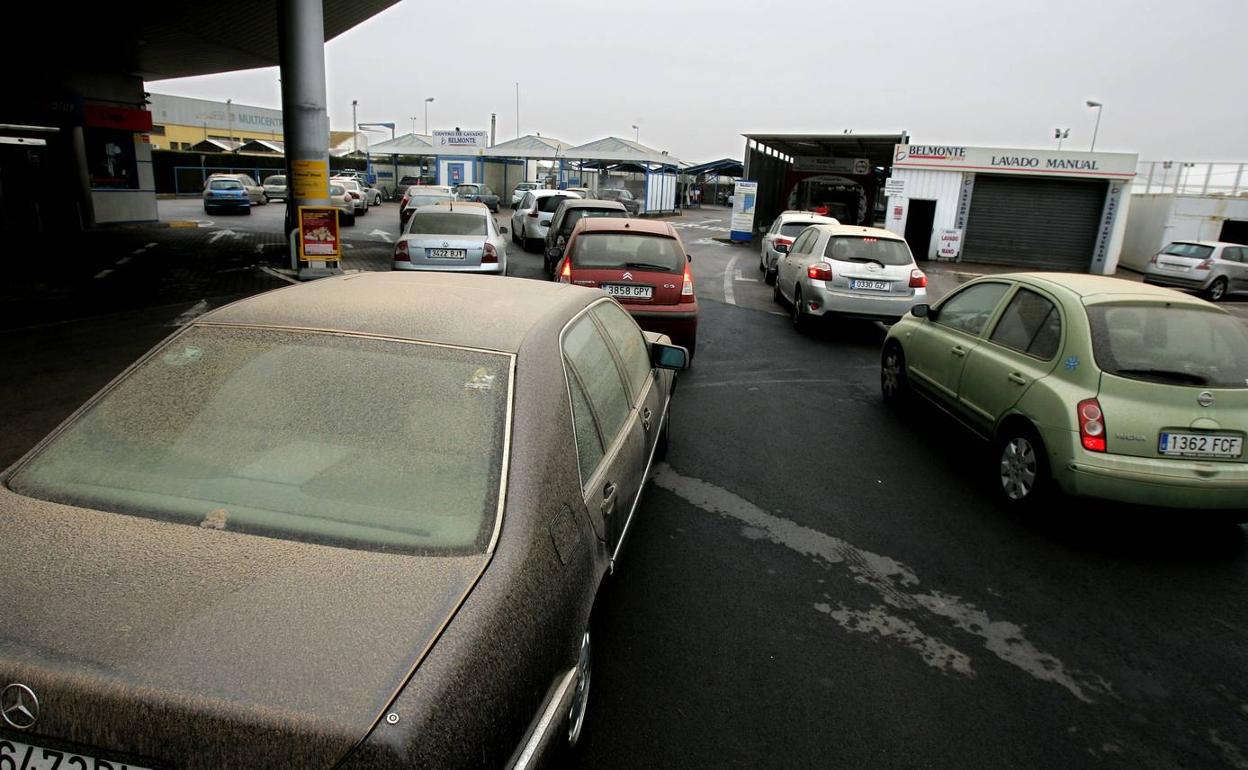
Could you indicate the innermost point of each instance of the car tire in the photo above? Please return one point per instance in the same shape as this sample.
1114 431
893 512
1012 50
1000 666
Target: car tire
349 221
776 296
363 212
247 211
769 277
801 321
264 199
1217 290
894 380
1022 473
580 696
528 244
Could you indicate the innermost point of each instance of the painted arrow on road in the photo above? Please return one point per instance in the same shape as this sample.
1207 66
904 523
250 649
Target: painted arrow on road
218 235
382 234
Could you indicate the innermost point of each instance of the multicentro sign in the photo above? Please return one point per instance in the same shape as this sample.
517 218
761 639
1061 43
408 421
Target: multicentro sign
1015 161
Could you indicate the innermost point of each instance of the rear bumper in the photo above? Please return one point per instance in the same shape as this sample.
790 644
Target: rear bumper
1177 281
1148 481
881 308
680 323
227 203
491 268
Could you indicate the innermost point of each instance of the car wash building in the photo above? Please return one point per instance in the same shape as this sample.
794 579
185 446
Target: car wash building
1025 208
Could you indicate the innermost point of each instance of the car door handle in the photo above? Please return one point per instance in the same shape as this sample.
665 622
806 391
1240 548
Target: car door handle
646 414
1016 378
608 499
959 351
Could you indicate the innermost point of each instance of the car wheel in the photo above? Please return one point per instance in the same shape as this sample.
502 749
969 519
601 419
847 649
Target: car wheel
894 381
769 277
776 296
1022 467
801 321
1217 290
363 212
528 244
247 211
349 221
580 695
264 199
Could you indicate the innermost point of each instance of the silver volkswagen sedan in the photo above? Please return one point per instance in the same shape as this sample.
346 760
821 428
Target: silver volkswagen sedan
850 271
456 236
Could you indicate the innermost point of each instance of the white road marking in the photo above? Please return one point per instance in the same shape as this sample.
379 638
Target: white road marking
729 296
149 245
276 274
382 234
879 620
139 251
348 245
896 584
103 273
191 313
738 277
259 248
708 242
123 260
218 235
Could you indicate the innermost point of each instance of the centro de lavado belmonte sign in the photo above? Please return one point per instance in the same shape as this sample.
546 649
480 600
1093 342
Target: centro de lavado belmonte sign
470 141
1088 165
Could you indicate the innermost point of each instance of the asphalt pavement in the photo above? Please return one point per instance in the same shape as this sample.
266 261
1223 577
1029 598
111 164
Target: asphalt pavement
813 579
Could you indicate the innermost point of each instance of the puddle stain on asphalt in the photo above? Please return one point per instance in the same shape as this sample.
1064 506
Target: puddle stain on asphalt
878 620
895 583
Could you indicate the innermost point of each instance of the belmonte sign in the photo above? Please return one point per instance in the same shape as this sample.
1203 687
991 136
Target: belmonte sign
1104 165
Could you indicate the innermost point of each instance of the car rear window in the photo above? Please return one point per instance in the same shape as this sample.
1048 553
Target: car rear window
426 200
336 190
883 251
225 184
1176 345
446 223
793 229
410 180
576 215
1192 250
638 251
275 180
294 435
548 203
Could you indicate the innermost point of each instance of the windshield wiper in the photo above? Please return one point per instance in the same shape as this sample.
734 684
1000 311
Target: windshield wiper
1168 374
866 259
648 266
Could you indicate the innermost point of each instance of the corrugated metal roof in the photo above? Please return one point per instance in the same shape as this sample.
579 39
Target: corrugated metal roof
530 146
615 148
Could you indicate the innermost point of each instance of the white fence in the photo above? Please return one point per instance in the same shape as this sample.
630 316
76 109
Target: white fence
1191 178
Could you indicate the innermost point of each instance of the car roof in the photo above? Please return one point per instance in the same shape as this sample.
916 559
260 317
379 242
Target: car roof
1214 244
543 193
622 225
441 308
800 216
1094 289
593 203
472 207
858 230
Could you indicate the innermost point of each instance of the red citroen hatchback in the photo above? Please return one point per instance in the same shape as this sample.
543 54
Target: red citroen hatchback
644 265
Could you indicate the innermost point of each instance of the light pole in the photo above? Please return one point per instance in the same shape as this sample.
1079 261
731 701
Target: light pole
229 120
1059 134
355 129
517 110
1097 129
637 136
427 100
413 124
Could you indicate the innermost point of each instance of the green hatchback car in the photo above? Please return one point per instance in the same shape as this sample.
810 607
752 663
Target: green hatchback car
1093 386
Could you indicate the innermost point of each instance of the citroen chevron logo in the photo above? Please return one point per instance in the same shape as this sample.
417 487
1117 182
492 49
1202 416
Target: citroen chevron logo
19 706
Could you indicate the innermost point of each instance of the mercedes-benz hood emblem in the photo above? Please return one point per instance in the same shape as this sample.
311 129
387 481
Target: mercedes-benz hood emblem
19 706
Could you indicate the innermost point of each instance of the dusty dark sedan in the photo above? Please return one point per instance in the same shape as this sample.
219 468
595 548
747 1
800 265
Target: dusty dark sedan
354 523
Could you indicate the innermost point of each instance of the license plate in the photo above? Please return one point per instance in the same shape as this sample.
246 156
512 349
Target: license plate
447 253
23 756
1200 445
857 283
628 291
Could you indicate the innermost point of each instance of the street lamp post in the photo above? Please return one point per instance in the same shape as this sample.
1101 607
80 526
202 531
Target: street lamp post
1097 129
637 135
1059 134
355 129
427 100
413 124
229 120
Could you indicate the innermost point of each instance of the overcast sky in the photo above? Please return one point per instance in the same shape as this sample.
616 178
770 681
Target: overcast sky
696 74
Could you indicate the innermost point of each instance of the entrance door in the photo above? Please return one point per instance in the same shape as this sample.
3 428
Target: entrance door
455 172
919 226
1234 231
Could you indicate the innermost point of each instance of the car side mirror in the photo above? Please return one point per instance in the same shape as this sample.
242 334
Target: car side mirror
922 311
502 231
688 257
783 249
669 356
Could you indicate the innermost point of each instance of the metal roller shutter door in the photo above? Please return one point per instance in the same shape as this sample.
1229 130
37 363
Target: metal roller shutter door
1034 222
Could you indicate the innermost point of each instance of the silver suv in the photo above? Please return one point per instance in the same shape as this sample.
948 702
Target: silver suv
1213 268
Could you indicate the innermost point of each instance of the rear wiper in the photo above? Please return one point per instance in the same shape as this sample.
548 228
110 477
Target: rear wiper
866 259
1168 374
648 266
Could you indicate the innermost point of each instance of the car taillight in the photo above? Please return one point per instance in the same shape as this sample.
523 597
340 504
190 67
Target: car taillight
533 214
917 279
490 254
400 252
565 273
404 203
784 241
1091 425
355 195
1153 261
686 290
820 271
1205 265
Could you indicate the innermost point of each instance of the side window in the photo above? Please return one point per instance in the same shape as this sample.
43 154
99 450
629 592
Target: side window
486 191
969 309
628 341
591 360
1234 255
588 442
799 246
1030 324
775 227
